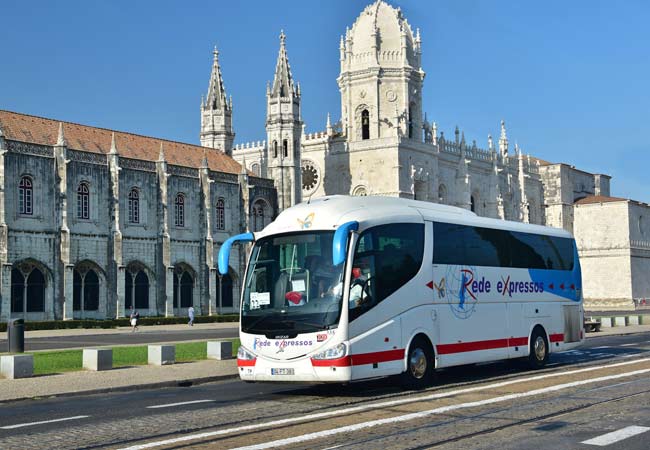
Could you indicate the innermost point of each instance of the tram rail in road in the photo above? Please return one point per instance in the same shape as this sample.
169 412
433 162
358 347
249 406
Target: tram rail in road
321 428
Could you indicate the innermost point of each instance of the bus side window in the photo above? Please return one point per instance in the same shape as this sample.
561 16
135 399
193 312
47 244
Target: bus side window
386 258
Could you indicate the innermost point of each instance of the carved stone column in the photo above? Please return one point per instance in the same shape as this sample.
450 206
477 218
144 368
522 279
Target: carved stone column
207 251
5 268
164 240
63 282
117 270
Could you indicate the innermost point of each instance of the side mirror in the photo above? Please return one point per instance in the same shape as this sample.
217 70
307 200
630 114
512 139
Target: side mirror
224 251
340 241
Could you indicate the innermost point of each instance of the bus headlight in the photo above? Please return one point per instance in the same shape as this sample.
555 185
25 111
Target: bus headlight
244 354
335 352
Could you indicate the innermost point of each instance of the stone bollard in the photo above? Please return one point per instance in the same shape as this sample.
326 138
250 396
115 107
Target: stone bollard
619 321
161 355
17 366
633 320
219 350
606 322
98 359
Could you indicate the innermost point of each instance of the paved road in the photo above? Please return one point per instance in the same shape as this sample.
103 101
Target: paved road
605 396
125 338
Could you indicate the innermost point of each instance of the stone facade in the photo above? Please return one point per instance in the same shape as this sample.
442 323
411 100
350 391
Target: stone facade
93 222
615 254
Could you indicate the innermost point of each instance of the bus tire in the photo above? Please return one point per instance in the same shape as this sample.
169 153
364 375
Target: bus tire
419 364
538 356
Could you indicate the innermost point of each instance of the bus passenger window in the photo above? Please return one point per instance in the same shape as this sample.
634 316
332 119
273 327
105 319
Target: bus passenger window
386 258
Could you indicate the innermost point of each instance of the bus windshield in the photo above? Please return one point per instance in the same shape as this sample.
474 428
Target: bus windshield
292 286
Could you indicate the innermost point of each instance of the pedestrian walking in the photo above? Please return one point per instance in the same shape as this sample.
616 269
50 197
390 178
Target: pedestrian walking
135 316
190 313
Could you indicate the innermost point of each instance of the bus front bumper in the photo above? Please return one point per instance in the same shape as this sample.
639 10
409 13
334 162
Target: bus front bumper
303 370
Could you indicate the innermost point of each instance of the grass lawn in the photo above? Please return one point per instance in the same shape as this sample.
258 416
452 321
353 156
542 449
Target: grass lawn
69 360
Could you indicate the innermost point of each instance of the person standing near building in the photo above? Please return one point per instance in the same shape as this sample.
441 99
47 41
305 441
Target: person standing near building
190 313
135 315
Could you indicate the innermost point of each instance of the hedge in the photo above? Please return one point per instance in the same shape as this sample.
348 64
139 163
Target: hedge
112 323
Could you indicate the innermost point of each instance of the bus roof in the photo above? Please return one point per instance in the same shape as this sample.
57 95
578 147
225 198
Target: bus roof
328 213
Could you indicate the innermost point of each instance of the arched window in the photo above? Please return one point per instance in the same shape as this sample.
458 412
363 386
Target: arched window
285 148
26 196
255 168
85 289
134 206
360 191
410 123
136 288
221 214
365 124
179 210
442 194
27 289
183 288
83 201
275 149
258 215
473 204
226 291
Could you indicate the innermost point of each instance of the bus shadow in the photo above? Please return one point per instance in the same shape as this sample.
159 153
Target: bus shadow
465 374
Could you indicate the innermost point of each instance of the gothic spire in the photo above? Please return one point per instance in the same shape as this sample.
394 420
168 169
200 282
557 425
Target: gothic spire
216 98
503 140
60 140
113 150
282 81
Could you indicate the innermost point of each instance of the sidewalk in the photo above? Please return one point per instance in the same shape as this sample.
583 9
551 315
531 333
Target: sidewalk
119 379
120 330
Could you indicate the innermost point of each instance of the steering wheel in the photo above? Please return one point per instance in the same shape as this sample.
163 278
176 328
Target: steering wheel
365 298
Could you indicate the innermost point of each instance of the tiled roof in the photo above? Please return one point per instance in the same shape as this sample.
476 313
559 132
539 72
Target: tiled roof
599 199
39 130
541 161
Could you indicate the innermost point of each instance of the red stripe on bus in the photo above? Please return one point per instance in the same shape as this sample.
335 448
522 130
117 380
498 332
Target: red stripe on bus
246 362
462 347
559 337
339 362
360 359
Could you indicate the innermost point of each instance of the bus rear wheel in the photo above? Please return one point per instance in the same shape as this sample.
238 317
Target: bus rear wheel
419 364
538 356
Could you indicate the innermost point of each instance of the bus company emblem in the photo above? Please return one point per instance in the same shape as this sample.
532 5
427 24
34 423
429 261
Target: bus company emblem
461 299
307 223
321 337
439 288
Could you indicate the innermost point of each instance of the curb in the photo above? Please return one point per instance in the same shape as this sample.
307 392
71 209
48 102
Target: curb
138 387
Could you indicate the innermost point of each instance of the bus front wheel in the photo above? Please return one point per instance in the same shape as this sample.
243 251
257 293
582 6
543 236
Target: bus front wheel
419 364
538 356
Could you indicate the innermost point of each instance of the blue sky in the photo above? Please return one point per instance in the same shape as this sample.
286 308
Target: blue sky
571 79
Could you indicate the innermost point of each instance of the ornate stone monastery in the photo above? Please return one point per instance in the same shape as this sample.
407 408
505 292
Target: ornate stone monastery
94 222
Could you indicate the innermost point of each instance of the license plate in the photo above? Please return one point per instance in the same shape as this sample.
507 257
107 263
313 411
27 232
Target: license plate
283 371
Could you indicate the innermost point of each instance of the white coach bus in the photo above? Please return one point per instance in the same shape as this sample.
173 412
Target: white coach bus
348 288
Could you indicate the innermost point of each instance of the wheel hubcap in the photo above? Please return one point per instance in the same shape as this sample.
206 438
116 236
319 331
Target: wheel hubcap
418 363
540 348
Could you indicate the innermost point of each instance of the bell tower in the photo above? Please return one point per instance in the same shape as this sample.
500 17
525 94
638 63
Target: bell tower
216 113
283 130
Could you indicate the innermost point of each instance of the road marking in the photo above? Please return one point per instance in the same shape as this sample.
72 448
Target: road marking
615 436
601 348
29 424
169 405
356 409
630 345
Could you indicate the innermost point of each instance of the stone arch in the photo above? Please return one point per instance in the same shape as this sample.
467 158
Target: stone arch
186 292
363 130
475 202
359 191
443 195
228 291
89 290
32 293
260 214
139 288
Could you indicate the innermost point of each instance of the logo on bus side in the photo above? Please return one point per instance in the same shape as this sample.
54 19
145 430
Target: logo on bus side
307 223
